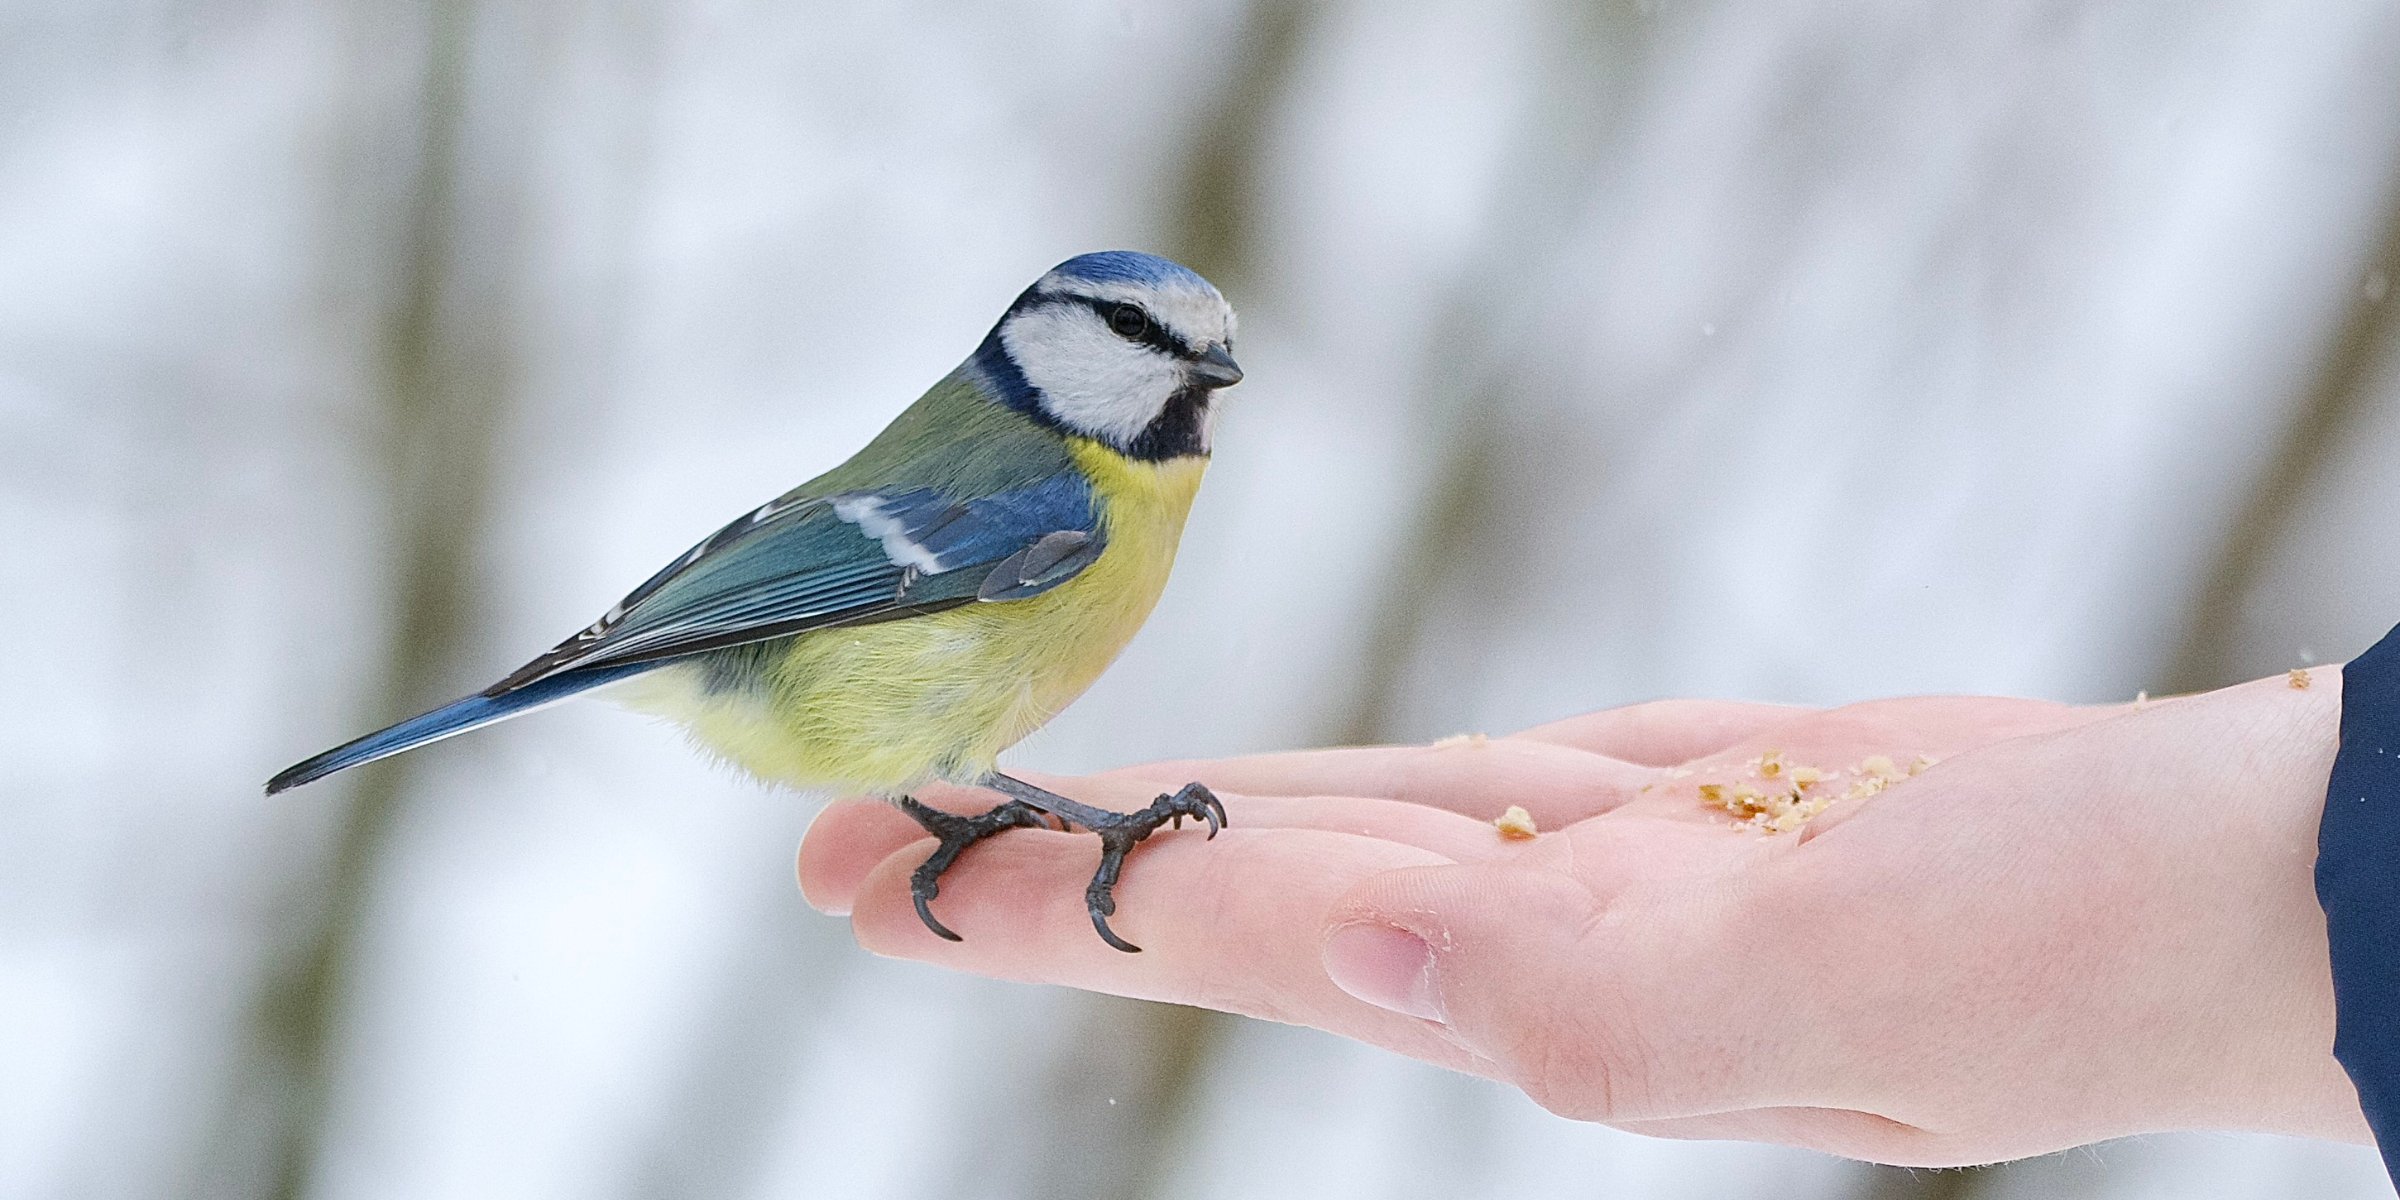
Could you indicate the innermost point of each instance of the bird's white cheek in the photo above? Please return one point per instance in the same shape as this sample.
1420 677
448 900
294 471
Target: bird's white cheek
1091 380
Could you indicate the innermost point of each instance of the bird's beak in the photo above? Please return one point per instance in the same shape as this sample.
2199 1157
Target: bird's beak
1215 368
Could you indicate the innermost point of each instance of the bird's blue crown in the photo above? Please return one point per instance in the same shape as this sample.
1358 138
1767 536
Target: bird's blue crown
1129 266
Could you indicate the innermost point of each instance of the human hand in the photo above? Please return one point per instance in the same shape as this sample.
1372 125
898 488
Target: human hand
2080 923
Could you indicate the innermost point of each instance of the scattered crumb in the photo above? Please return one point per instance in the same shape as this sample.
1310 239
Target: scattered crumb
1462 739
2300 679
1867 785
1796 793
1776 812
1747 801
2141 700
1516 824
1797 813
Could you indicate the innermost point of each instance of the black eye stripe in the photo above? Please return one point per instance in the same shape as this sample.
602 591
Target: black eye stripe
1154 336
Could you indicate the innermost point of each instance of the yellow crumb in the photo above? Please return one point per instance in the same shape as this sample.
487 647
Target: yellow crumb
1516 824
1799 799
1866 786
2300 679
1462 739
1780 812
1795 813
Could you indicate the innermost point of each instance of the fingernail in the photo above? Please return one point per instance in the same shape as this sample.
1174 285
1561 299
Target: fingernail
1386 967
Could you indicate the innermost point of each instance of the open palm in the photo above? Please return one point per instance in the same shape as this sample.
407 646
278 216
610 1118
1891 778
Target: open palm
2055 924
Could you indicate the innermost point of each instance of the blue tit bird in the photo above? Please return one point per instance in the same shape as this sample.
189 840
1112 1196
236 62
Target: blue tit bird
906 616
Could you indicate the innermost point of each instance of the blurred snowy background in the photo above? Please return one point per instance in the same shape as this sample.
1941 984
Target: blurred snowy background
351 351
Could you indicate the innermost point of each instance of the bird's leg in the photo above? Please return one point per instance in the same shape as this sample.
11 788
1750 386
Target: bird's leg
1119 833
956 833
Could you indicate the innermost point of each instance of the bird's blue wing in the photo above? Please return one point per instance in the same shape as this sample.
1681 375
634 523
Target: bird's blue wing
811 562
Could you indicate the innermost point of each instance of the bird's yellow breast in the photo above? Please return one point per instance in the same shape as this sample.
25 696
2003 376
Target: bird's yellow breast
884 707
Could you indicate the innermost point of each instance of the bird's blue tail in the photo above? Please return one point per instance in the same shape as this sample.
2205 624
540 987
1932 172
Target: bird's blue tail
451 719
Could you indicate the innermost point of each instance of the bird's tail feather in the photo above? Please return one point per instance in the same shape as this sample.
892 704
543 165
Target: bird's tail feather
452 719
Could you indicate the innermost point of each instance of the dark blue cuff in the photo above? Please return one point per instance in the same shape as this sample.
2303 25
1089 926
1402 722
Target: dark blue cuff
2358 883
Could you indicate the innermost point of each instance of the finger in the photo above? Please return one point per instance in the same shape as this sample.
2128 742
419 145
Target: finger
845 841
849 836
1231 923
1475 777
849 839
1664 733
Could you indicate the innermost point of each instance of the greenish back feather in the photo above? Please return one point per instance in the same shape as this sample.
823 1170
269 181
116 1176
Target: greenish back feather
956 438
976 480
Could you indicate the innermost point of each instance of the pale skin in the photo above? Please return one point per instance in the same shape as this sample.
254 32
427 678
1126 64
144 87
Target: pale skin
2078 923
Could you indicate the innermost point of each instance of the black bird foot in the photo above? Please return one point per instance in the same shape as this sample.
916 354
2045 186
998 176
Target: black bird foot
956 833
1120 832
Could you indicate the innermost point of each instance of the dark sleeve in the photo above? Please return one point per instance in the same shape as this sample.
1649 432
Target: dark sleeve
2358 883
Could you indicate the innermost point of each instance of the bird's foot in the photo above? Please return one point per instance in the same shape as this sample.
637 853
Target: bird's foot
956 833
1119 834
1118 837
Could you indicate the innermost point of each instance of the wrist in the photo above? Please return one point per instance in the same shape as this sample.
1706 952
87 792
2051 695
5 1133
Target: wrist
2279 736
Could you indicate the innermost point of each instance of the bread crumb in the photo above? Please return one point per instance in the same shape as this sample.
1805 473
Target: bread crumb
1796 813
1516 824
1779 812
1801 792
2300 679
1747 801
1462 739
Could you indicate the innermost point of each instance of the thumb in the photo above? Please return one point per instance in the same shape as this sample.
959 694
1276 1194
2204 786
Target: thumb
1514 962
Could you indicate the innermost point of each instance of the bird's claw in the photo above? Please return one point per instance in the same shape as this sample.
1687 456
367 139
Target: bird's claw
954 834
1123 831
1119 833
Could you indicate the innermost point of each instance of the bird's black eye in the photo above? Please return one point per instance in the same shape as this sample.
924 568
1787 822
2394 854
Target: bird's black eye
1129 321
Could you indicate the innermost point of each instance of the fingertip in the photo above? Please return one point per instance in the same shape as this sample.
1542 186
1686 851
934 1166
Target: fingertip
842 848
1389 968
